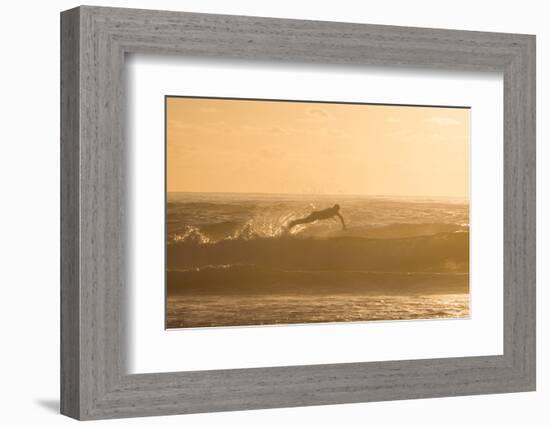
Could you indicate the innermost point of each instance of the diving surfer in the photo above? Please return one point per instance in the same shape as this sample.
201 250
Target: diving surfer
319 215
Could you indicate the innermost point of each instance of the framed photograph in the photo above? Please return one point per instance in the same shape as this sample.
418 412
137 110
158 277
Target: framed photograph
262 213
285 212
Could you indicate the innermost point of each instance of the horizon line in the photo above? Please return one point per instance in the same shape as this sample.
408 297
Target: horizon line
321 194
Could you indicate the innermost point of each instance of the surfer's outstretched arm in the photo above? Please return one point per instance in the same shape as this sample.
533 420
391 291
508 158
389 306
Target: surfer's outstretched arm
342 220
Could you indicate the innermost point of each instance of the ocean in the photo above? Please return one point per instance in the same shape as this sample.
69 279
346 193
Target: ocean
233 261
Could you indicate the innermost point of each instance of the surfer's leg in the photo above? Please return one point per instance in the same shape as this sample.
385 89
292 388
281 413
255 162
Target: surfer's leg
305 220
295 223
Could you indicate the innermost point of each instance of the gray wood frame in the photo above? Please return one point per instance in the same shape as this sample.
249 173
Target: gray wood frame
94 382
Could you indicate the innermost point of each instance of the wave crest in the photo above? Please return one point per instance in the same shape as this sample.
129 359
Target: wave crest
268 228
258 227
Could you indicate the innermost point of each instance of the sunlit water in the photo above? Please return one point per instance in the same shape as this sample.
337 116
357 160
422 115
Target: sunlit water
231 260
230 310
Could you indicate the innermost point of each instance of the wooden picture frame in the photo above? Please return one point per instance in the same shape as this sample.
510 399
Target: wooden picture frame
94 382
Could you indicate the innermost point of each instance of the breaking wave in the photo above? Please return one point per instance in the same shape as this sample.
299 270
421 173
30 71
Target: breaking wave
253 229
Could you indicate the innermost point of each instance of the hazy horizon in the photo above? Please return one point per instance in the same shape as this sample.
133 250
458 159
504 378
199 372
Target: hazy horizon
419 196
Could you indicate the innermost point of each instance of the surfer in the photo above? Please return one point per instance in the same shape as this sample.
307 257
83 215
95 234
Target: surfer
319 215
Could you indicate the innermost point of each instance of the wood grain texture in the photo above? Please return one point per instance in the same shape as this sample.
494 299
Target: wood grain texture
95 383
70 242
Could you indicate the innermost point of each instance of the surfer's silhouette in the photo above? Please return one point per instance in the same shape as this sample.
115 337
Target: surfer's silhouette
319 215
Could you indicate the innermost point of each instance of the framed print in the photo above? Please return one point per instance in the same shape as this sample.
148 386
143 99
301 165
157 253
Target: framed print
336 340
262 213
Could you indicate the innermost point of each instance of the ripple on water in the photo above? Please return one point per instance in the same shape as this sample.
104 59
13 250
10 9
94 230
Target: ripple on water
204 311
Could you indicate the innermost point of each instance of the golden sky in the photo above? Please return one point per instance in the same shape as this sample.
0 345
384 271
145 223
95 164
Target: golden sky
216 145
